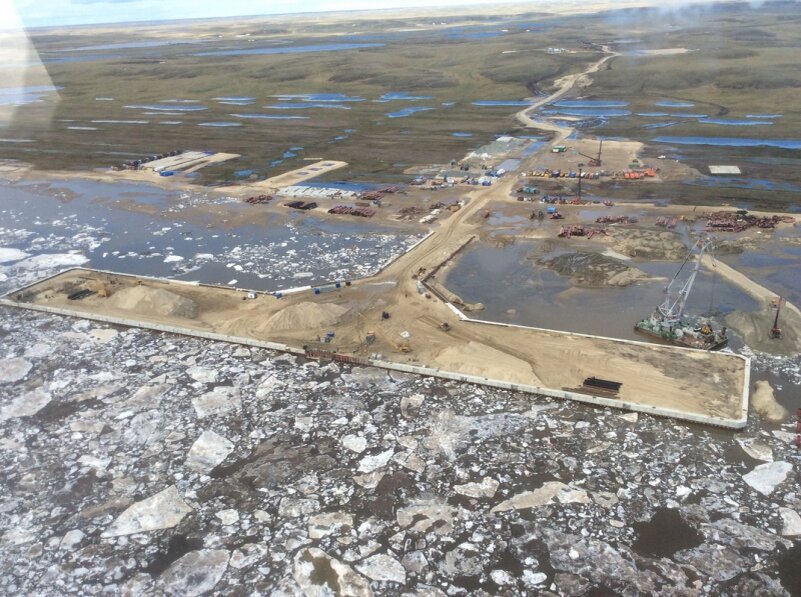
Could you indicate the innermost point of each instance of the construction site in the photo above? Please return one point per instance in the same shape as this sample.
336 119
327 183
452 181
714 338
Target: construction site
405 317
496 300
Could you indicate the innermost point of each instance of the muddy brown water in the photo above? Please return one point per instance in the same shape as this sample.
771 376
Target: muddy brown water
534 295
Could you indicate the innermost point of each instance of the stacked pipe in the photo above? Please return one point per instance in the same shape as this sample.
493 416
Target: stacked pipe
364 212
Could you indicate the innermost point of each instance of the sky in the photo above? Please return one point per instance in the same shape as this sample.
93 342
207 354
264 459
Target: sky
43 13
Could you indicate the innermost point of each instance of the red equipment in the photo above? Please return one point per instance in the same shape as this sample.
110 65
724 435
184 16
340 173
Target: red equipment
775 331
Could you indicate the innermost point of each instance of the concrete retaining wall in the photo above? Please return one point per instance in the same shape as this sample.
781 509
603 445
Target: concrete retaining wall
738 423
155 326
561 394
723 422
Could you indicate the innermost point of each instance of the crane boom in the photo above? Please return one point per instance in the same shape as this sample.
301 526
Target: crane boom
671 310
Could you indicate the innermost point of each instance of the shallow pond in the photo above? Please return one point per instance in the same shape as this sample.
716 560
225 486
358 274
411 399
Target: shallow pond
536 296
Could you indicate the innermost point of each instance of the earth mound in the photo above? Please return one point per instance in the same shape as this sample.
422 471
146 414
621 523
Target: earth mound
153 301
647 244
483 361
306 315
593 269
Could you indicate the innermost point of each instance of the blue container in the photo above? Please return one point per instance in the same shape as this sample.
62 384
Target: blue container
278 294
551 210
167 173
317 291
338 284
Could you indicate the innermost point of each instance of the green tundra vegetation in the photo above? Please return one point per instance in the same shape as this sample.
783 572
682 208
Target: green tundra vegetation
740 61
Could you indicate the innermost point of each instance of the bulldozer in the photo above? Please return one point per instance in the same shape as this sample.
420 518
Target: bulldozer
404 346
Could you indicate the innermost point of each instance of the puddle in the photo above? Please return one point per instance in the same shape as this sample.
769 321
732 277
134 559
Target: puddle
763 115
734 122
220 124
592 112
120 121
401 96
270 116
166 107
501 103
534 147
590 104
306 106
674 104
320 97
654 114
461 134
290 49
509 165
404 112
731 142
234 98
659 125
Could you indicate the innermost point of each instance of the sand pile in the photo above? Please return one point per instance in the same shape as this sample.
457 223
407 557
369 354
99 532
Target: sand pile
482 361
765 404
153 301
305 316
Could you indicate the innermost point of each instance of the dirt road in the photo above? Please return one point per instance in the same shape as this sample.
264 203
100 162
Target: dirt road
565 84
